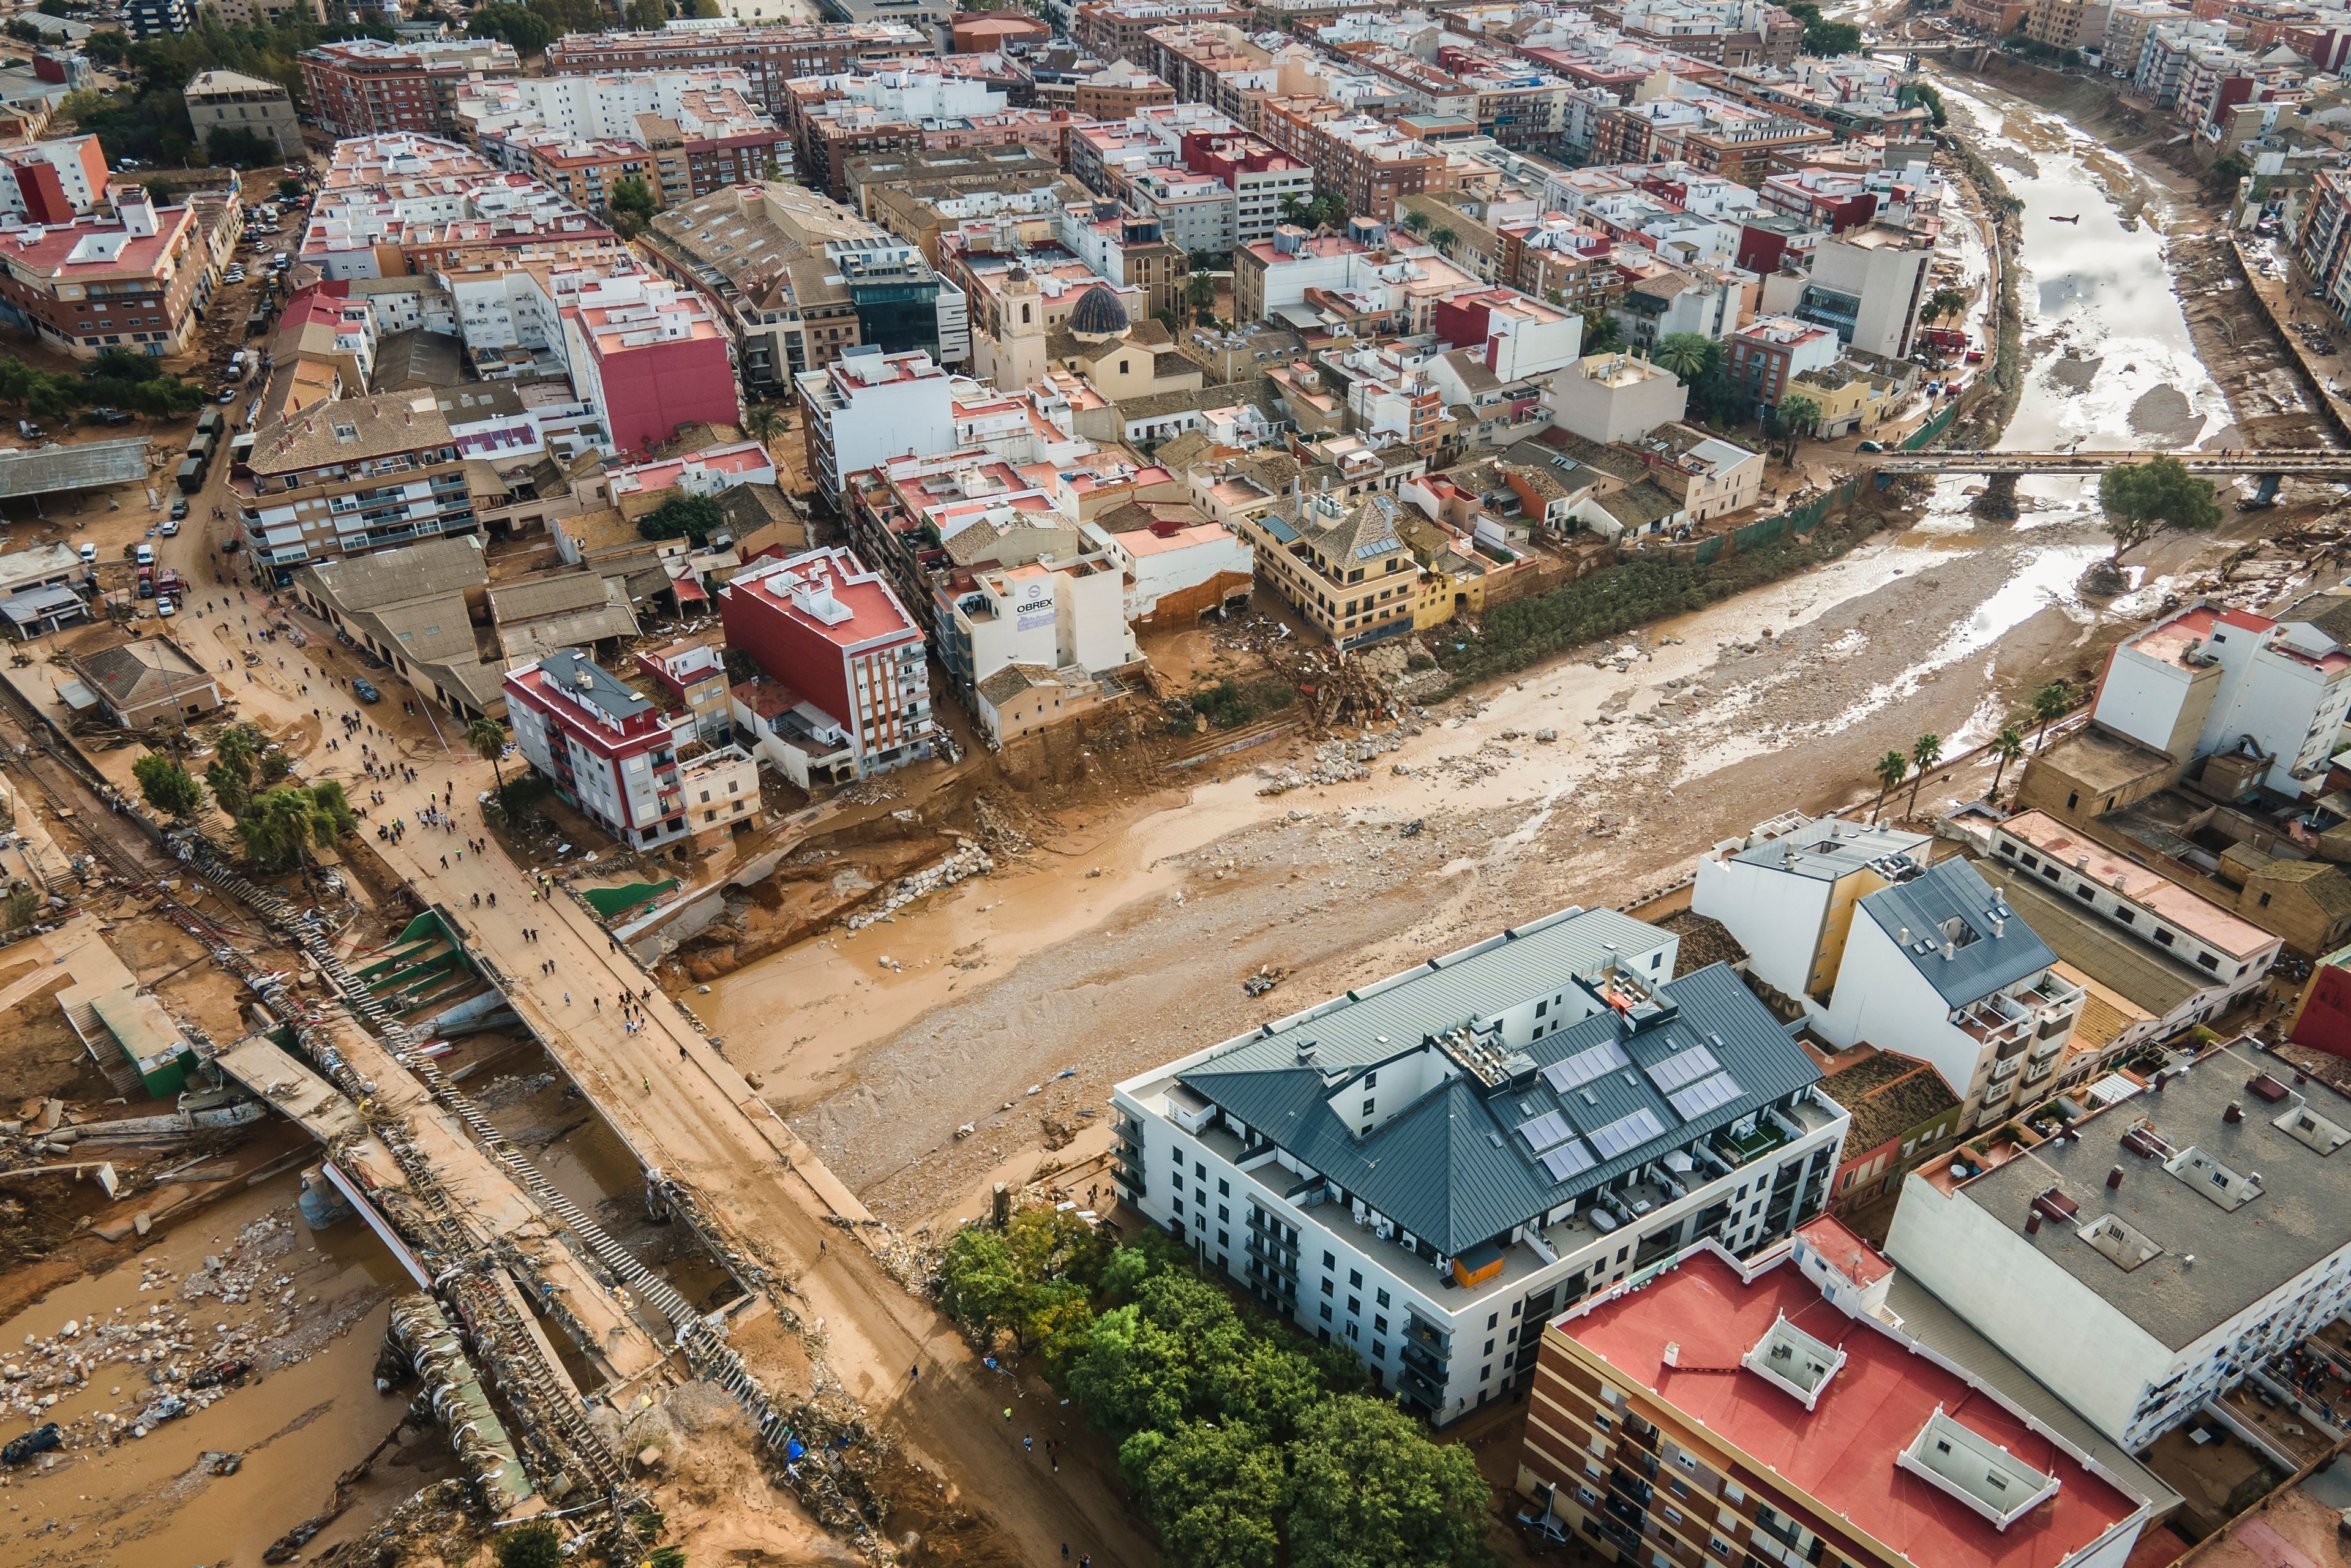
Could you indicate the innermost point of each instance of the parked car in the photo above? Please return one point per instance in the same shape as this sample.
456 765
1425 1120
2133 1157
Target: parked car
228 395
110 416
163 606
145 555
178 511
1871 446
88 552
364 689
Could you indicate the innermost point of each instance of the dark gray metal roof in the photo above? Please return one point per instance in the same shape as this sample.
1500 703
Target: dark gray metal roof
79 466
1827 849
2302 1216
1952 906
1452 1169
584 680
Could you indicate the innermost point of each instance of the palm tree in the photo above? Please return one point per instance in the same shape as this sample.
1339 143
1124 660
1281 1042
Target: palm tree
488 737
2048 705
1200 293
762 421
1925 751
286 823
1892 769
2008 746
1443 237
1687 354
1417 222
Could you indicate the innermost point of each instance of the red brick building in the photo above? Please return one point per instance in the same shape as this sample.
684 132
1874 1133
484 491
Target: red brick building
363 86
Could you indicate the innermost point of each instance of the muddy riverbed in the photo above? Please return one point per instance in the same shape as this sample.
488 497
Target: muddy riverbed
1011 1005
245 1280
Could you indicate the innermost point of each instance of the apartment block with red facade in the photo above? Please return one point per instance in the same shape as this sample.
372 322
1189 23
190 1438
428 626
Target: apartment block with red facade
771 57
650 355
616 756
363 86
86 284
844 692
1708 1411
53 182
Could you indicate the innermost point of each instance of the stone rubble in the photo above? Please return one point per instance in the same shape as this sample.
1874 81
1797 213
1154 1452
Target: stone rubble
968 861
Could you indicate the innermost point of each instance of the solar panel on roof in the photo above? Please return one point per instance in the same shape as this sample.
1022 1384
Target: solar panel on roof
1585 1065
1571 1159
1682 1067
1699 1098
1541 1132
1628 1132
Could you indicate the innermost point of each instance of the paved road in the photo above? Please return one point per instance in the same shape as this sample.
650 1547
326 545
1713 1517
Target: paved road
684 1108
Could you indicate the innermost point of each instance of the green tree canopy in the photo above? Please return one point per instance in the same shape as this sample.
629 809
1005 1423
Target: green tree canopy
532 1545
1216 1494
1831 38
631 204
167 785
280 827
1370 1490
520 25
648 16
2144 499
693 518
239 147
1600 333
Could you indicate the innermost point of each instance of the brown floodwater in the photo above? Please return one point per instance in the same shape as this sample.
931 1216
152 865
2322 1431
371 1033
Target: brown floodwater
146 1502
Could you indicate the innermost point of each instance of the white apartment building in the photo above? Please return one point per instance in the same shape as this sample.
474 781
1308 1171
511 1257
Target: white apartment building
1615 396
868 405
2209 678
1193 211
1425 1168
1868 284
613 754
2157 1255
1936 965
1787 892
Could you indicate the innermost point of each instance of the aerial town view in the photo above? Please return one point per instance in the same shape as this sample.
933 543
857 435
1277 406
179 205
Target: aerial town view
1292 785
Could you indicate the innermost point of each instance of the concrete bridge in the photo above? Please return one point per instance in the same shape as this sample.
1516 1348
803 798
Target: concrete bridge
2306 463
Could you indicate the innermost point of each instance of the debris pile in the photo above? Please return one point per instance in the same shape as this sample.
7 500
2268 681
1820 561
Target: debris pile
1335 762
968 861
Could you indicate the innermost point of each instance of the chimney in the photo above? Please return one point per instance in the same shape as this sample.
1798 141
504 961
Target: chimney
1999 926
2154 1084
1950 948
1902 938
2233 1115
2033 1223
2114 1179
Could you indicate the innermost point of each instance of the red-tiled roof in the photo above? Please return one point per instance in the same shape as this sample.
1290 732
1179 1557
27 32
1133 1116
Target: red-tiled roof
1842 1452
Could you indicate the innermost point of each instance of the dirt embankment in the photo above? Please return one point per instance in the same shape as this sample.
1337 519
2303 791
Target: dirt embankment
821 885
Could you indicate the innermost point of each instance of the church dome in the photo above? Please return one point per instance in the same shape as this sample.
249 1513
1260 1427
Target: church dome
1098 314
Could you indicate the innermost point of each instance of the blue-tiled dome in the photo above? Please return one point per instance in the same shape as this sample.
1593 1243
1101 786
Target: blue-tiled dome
1098 314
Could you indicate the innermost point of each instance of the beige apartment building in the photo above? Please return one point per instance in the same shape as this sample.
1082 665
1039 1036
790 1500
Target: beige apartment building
348 479
225 101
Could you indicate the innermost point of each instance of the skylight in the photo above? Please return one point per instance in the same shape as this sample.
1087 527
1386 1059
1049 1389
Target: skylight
1976 1470
2125 1245
2307 1127
2222 1186
1793 1362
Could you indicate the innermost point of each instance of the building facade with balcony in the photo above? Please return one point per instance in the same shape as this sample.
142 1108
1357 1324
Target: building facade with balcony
1787 891
771 57
349 477
361 87
843 691
1937 965
613 754
2162 1252
1423 1170
1783 1409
